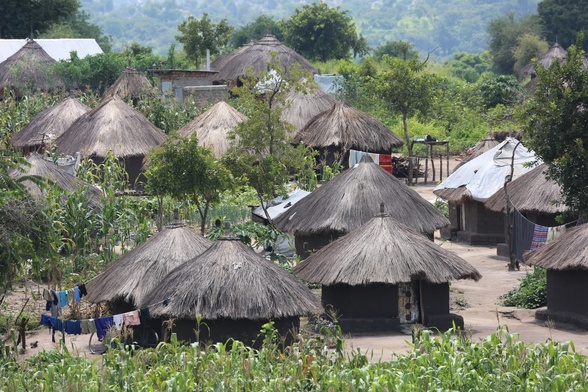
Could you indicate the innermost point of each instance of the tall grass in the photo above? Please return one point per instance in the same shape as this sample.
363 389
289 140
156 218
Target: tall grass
501 362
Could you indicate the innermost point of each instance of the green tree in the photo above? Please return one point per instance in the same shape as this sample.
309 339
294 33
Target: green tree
322 33
78 26
555 126
563 19
528 47
200 35
262 154
256 30
401 49
499 90
20 18
469 66
180 169
405 88
504 34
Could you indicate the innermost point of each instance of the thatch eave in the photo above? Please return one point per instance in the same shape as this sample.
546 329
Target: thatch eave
399 255
352 198
568 252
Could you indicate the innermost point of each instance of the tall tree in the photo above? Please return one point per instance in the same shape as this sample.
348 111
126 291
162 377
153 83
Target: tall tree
563 20
20 18
555 126
262 153
401 49
200 35
182 169
504 34
406 88
322 33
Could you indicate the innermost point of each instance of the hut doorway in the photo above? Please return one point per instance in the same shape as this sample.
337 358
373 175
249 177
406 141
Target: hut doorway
408 303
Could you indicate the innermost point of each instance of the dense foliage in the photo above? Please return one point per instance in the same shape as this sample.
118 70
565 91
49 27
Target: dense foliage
555 126
448 27
200 35
500 362
563 20
531 292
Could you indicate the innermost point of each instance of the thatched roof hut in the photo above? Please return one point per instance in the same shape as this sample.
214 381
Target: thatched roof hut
301 108
351 199
131 85
234 289
42 130
342 128
566 262
213 126
112 126
555 53
130 278
234 65
531 193
26 70
47 171
399 255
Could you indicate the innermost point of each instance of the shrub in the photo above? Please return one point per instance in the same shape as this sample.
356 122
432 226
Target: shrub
531 293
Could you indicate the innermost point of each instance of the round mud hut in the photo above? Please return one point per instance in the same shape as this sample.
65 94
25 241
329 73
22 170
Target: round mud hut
384 275
113 126
342 128
48 125
258 54
566 262
26 71
51 174
351 199
126 281
235 291
213 126
131 85
300 108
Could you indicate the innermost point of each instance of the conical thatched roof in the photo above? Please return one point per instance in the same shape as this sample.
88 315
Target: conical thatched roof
131 84
231 281
213 126
40 167
349 128
555 53
49 124
301 108
112 125
352 198
383 251
26 69
530 193
568 252
136 273
257 55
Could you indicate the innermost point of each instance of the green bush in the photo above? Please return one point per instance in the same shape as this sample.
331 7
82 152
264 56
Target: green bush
531 293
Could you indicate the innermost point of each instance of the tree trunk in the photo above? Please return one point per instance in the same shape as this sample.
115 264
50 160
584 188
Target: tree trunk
409 147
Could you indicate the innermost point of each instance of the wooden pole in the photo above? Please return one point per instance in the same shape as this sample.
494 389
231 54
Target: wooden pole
513 262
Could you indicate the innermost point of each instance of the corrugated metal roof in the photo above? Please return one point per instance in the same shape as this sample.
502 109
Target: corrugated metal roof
59 49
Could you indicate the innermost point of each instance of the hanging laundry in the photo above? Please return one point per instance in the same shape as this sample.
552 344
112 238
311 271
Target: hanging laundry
62 298
132 318
539 237
76 292
88 326
117 319
103 324
522 235
554 233
70 296
73 327
82 289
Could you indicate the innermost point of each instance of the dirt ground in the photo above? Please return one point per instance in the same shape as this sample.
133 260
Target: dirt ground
482 312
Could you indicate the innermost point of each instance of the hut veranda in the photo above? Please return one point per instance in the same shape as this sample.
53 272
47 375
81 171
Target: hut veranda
383 275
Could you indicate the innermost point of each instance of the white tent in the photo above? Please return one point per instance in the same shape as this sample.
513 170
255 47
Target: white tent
280 205
58 49
485 175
